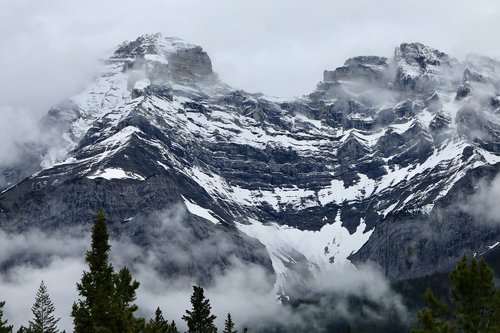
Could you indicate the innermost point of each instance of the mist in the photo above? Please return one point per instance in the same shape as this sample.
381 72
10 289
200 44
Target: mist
483 204
255 45
17 126
242 288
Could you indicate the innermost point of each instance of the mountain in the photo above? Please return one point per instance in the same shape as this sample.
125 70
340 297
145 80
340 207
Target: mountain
376 164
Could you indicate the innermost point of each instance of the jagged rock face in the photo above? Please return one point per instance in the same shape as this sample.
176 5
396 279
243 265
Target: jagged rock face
368 68
367 166
167 59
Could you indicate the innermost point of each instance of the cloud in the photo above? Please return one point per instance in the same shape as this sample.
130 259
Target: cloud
242 288
17 126
483 204
27 259
280 48
35 244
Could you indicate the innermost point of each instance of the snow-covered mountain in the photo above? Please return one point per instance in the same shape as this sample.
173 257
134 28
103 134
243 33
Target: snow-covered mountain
372 165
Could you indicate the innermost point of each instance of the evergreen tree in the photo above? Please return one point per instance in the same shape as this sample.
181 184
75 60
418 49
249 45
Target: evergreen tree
92 313
124 297
43 313
173 327
139 325
23 329
106 304
229 325
474 304
200 319
160 325
4 328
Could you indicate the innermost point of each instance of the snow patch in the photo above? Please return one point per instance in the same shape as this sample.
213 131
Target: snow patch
156 58
331 245
337 193
115 173
390 208
200 211
279 198
401 128
493 246
163 165
142 84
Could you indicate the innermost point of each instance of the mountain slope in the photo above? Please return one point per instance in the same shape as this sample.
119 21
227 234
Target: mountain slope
369 166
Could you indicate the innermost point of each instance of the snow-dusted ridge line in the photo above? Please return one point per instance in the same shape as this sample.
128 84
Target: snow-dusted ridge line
337 192
112 91
270 164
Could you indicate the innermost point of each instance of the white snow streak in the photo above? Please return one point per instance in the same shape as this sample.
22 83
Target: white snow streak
200 211
114 173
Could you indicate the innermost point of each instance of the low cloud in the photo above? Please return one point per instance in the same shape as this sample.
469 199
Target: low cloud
27 259
483 204
242 288
17 127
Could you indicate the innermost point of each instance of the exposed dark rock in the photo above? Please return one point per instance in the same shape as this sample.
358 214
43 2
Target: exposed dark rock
371 144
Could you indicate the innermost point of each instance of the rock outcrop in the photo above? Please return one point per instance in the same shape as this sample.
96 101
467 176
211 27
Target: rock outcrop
370 165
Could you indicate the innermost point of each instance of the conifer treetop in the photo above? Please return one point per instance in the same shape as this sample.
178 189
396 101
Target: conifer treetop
43 309
4 328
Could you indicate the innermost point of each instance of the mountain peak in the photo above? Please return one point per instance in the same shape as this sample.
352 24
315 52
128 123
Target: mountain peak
380 146
420 54
152 44
166 59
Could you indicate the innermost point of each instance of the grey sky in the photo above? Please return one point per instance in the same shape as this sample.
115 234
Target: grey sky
277 47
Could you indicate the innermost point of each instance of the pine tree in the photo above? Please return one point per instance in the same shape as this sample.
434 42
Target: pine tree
23 329
124 297
475 296
106 303
200 319
43 313
160 325
229 325
139 325
92 313
4 328
474 304
173 327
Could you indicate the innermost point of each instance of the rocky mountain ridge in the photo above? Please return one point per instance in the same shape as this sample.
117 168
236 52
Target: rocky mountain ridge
368 167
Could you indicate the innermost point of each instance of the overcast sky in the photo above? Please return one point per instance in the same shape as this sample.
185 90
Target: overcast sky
49 48
280 47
